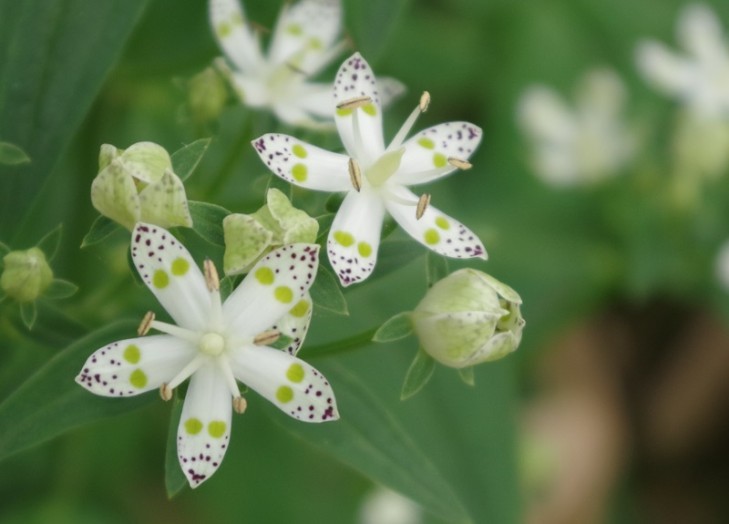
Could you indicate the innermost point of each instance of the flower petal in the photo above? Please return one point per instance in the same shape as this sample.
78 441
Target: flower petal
250 89
274 285
665 70
700 32
136 365
165 203
292 385
390 90
305 31
435 230
204 431
427 153
316 99
355 79
171 274
114 195
303 164
354 237
295 323
238 42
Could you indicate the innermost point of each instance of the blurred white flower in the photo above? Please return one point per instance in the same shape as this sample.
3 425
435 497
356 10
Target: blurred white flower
722 265
699 76
384 506
579 145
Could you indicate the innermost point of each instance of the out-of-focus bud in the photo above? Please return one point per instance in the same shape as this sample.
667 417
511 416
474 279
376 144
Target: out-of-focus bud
467 318
26 274
138 184
207 94
250 237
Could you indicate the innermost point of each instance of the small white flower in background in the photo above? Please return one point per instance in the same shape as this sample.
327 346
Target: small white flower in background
384 506
305 40
137 184
698 77
376 177
213 344
579 145
467 318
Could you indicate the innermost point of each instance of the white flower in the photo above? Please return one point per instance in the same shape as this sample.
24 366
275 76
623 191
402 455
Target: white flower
304 42
214 344
581 145
384 506
700 76
376 177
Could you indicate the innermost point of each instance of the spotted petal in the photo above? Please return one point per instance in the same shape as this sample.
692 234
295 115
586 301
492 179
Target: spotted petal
295 323
204 431
273 286
172 275
292 385
165 202
133 366
354 237
238 42
360 129
435 230
427 153
303 164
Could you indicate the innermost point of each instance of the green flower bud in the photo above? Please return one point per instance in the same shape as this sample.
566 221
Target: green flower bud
26 274
250 237
138 184
467 318
207 94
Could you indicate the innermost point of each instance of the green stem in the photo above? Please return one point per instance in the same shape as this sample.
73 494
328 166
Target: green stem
338 346
239 147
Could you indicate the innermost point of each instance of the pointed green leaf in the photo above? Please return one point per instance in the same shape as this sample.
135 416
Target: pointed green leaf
334 202
186 159
175 480
50 402
436 267
60 288
327 294
12 155
50 242
100 230
395 328
467 376
28 313
418 375
207 220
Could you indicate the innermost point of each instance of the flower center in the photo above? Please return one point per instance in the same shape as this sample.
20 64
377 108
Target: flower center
212 344
384 167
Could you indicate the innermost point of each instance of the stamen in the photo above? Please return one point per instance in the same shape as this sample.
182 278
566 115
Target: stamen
187 371
460 164
224 367
266 338
176 331
424 101
422 107
355 174
211 276
423 203
146 324
354 103
239 405
165 392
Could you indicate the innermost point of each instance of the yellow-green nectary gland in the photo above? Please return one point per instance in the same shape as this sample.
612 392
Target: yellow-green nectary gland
442 223
160 279
223 29
299 172
132 354
180 266
344 238
432 237
426 142
283 294
364 249
439 160
216 428
284 394
295 30
295 373
138 379
265 276
193 426
344 111
370 109
300 309
299 151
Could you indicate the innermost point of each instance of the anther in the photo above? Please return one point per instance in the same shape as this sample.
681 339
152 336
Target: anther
424 102
355 174
165 392
460 164
211 275
146 323
266 338
354 103
239 405
423 203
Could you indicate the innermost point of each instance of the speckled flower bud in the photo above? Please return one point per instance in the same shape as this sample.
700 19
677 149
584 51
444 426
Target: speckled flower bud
26 274
138 184
467 318
250 237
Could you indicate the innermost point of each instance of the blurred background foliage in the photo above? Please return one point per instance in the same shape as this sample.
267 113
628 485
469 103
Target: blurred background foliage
611 409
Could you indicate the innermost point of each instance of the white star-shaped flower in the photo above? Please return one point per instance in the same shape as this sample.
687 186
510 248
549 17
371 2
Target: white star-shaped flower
304 41
700 76
376 177
214 344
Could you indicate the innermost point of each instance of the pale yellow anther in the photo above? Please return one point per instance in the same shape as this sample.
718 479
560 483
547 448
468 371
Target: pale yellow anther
355 174
266 338
239 405
165 392
354 103
423 203
146 324
460 164
424 102
211 275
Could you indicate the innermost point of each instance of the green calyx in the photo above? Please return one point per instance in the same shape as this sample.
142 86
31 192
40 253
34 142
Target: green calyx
26 274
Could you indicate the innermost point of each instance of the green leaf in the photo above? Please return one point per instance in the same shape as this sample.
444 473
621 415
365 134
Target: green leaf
56 56
334 202
175 480
100 230
186 159
4 249
325 223
436 267
467 376
418 375
369 439
396 328
28 313
361 16
327 294
60 288
207 220
50 242
12 155
395 254
275 182
50 402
